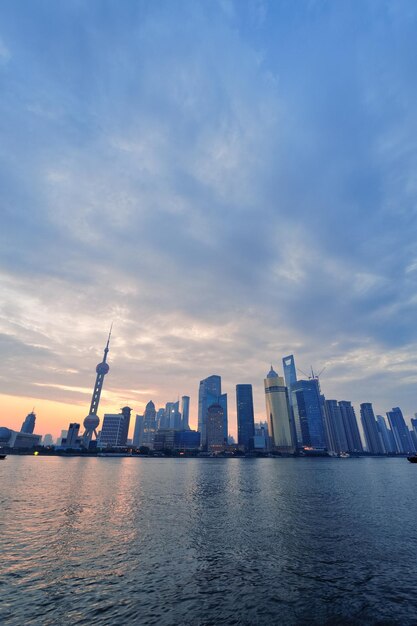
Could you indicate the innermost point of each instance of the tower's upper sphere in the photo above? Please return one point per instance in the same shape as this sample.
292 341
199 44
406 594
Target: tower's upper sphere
91 422
102 368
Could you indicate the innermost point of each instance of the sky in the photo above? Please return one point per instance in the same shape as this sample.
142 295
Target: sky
228 182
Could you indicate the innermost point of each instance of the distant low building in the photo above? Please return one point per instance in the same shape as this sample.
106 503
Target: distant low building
48 440
72 440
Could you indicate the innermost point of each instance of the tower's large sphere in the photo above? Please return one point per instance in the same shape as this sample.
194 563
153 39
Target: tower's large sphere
91 422
102 368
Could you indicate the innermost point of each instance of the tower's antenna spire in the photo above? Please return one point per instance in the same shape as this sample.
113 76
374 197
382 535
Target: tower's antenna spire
106 349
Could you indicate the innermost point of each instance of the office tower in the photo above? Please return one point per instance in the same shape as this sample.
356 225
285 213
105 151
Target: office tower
280 427
215 440
350 424
337 441
92 420
28 425
373 441
149 425
61 437
290 374
209 393
162 420
308 413
245 416
386 435
138 432
72 439
173 414
400 431
48 440
185 411
115 428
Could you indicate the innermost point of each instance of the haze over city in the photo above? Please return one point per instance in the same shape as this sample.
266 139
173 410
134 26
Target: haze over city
216 181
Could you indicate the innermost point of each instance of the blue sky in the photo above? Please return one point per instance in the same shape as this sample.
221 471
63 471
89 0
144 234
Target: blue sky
229 182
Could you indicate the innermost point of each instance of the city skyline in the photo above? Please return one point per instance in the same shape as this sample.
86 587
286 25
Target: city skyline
221 185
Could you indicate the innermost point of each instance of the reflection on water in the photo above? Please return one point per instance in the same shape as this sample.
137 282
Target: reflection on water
207 541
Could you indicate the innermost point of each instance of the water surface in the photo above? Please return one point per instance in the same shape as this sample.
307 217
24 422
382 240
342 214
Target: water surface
207 541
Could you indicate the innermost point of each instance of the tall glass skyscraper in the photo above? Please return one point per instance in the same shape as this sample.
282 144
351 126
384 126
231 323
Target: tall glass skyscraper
337 441
209 393
386 435
373 440
308 415
400 431
280 425
185 412
245 416
350 424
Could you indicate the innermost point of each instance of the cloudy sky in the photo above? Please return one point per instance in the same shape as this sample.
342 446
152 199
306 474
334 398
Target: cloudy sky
227 181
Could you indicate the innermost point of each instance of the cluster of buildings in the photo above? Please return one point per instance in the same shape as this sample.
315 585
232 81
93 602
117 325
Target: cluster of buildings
299 419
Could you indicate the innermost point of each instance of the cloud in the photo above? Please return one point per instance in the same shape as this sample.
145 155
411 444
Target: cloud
229 182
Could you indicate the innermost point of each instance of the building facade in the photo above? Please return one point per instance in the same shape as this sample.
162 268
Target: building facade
280 427
245 416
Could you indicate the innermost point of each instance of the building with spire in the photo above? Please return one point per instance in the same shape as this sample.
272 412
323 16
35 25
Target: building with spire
92 420
280 425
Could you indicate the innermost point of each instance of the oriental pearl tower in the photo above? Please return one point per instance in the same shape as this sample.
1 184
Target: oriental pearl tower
92 420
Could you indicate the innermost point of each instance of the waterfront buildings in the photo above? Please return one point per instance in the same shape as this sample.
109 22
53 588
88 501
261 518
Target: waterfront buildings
280 427
308 413
400 431
373 441
14 439
350 423
209 394
245 416
386 435
28 425
336 435
72 440
115 429
47 440
185 412
215 439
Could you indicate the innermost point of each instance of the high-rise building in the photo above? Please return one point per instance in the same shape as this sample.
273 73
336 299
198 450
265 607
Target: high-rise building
290 374
245 416
161 419
115 429
337 441
149 425
28 425
209 393
215 440
185 411
388 441
400 431
374 443
92 420
308 413
261 438
350 424
72 440
172 411
138 432
280 427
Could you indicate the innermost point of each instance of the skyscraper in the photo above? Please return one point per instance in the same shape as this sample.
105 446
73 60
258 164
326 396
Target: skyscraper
280 428
337 441
92 420
28 425
290 373
373 441
386 435
209 393
245 416
172 411
138 432
215 440
149 425
400 431
115 428
185 411
72 440
350 424
308 414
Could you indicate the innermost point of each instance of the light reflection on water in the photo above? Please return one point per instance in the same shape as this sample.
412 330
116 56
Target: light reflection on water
207 541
